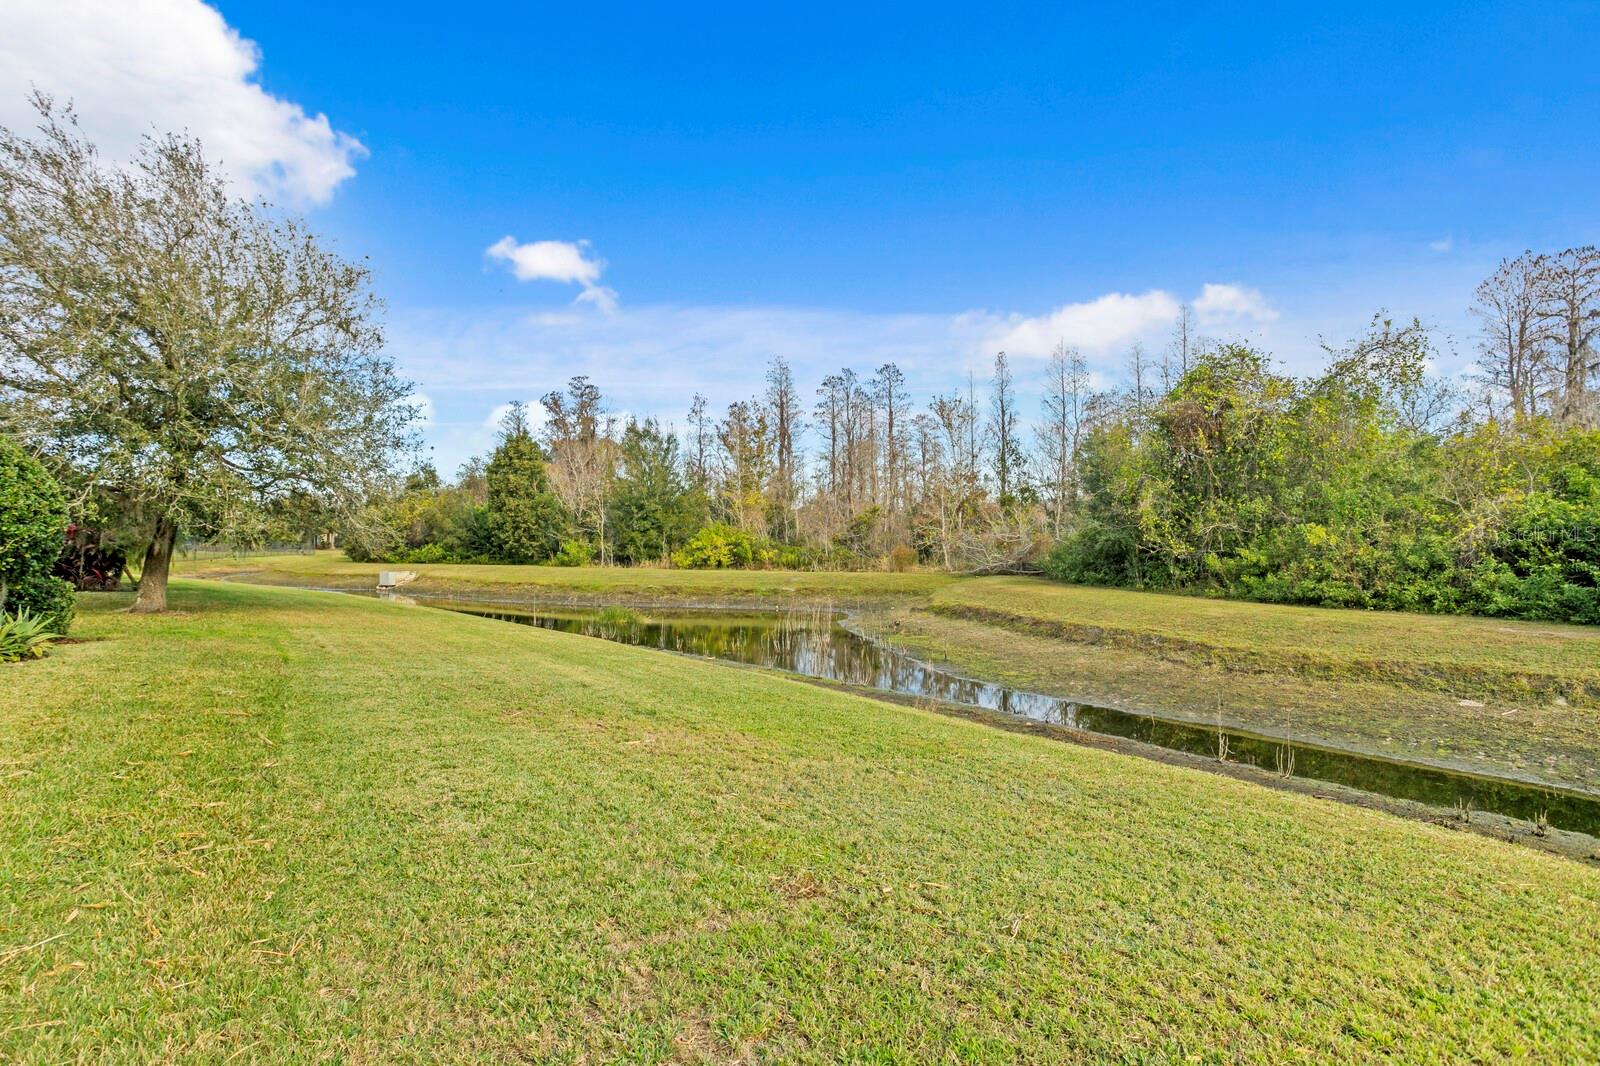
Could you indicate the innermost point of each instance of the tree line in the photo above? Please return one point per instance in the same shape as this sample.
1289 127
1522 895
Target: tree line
1373 482
181 361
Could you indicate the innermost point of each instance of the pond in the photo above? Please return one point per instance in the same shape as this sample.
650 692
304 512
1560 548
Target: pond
820 644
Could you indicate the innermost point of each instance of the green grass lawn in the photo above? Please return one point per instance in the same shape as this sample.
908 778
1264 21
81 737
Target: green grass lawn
290 826
1438 651
1488 695
333 570
1447 652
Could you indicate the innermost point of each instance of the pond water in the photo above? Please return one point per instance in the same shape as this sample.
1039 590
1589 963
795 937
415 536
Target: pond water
820 645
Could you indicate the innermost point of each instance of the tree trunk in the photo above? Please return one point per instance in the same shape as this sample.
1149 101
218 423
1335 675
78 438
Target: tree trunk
157 565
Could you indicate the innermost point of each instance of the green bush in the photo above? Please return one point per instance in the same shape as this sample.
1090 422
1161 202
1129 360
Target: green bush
1544 560
33 528
429 553
24 635
718 546
573 553
1095 555
792 557
1247 484
51 598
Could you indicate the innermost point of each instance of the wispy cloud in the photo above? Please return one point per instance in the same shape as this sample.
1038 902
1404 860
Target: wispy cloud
1229 305
651 359
165 66
565 262
1093 326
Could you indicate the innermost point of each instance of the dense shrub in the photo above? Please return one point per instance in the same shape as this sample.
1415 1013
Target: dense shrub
1244 483
33 526
902 557
1095 554
1542 558
51 598
573 553
429 553
718 546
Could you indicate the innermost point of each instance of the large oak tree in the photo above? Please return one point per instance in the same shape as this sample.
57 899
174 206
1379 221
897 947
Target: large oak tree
200 355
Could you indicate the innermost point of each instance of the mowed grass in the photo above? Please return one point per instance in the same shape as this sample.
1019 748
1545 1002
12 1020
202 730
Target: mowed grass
334 570
1435 651
290 826
1524 737
1446 652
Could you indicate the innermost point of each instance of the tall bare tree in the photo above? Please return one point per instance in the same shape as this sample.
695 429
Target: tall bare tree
1569 287
195 354
889 390
844 417
700 442
783 413
955 487
832 399
1141 381
1514 354
1181 350
1066 398
1004 433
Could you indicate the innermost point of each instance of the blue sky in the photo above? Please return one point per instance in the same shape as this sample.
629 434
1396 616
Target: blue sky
845 185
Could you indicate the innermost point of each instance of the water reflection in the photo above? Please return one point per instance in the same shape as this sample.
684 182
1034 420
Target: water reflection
815 644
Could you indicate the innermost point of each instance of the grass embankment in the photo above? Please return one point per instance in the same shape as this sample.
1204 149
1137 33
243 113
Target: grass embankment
1480 694
1493 696
1490 656
290 825
596 584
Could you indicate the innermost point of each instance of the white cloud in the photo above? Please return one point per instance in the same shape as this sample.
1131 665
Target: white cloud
534 410
424 405
136 67
1443 244
1094 326
649 360
1223 305
559 261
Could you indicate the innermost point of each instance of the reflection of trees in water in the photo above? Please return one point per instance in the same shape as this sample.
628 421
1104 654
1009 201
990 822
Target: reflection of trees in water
814 644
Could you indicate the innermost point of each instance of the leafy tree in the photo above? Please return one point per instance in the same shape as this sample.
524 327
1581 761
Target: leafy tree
200 355
526 520
33 526
581 456
746 440
652 510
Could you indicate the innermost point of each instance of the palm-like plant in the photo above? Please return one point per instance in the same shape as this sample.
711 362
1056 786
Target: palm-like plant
24 635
